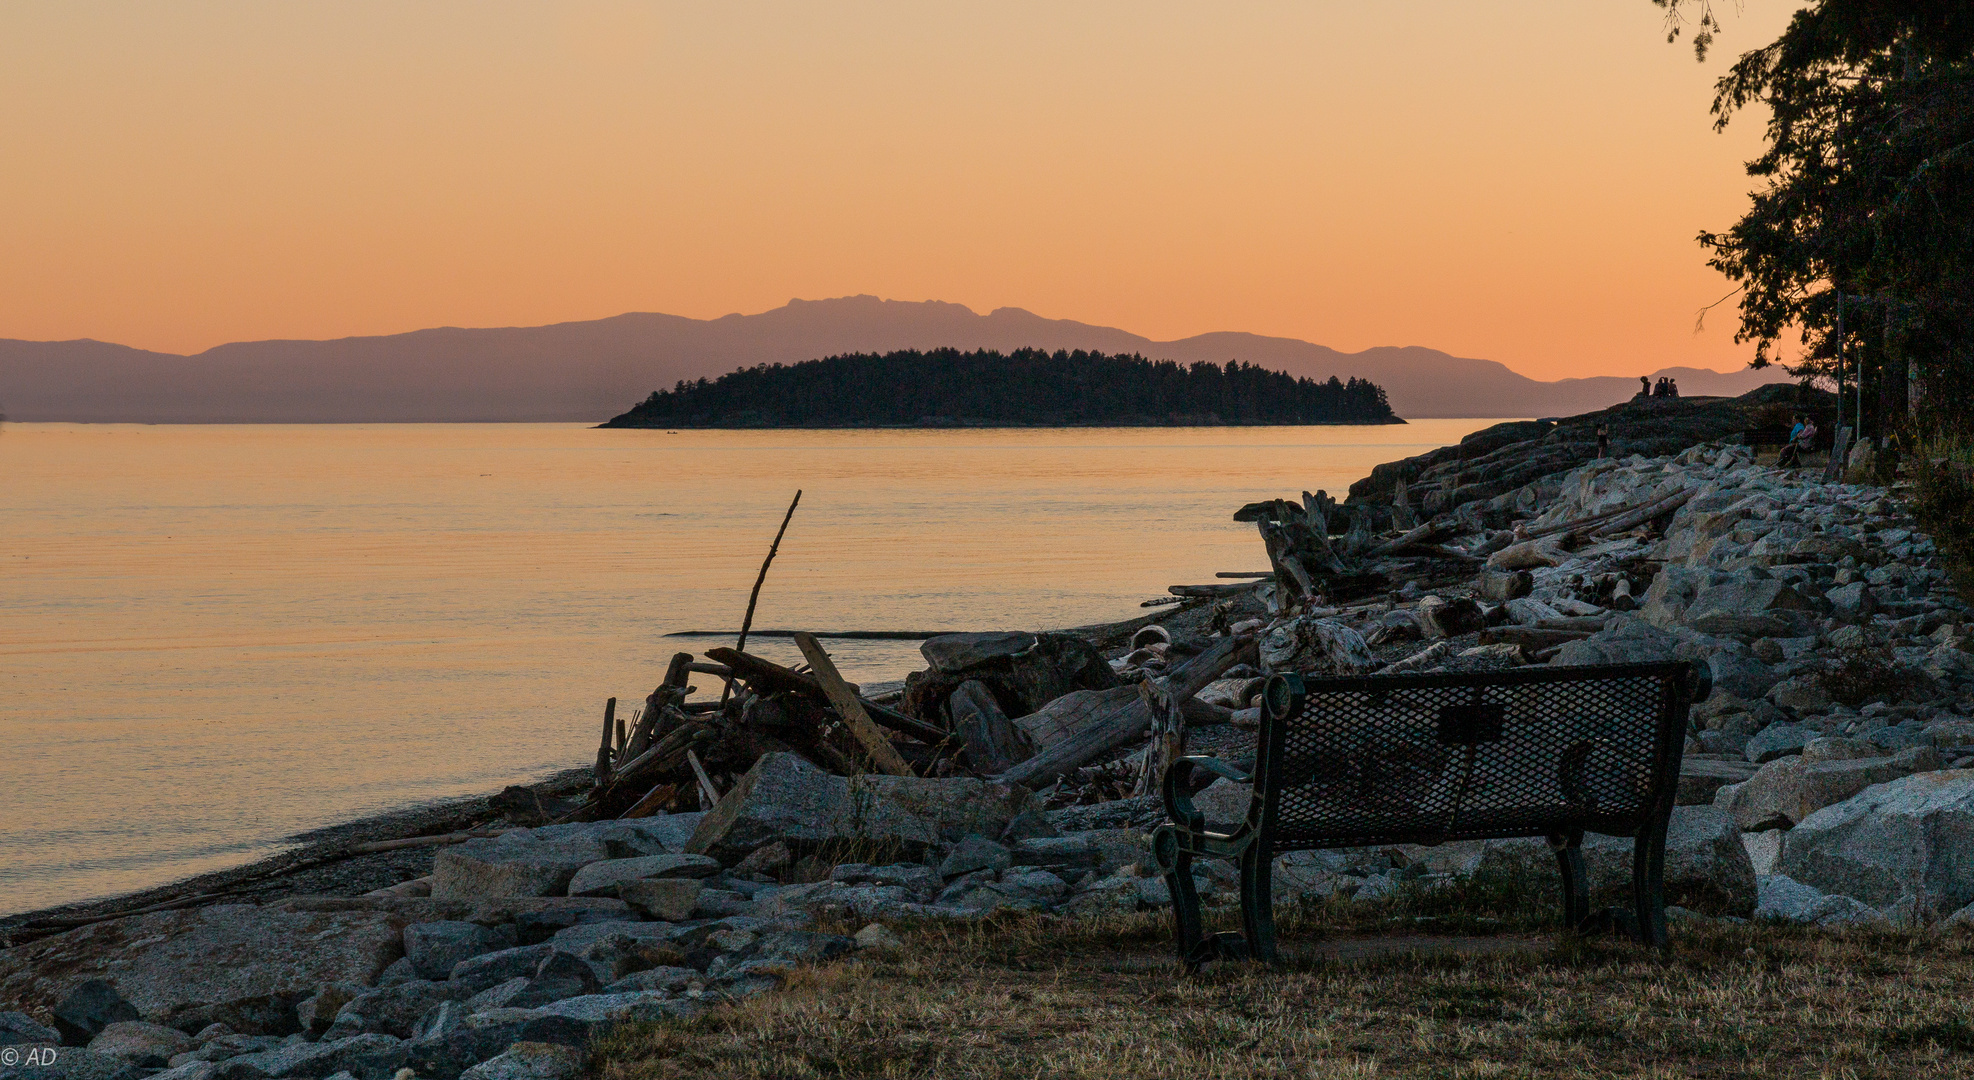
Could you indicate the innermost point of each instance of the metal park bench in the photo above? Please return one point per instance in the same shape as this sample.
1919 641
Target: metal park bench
1424 759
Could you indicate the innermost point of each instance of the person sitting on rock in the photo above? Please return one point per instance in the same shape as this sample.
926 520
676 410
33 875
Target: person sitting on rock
1659 389
1672 388
1644 388
1802 437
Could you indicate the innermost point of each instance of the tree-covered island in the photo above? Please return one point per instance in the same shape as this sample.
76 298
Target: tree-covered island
1024 388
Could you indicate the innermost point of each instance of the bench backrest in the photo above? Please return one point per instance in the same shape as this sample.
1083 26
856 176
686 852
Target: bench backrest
1429 758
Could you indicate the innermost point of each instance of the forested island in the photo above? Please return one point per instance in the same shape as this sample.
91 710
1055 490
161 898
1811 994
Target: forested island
1024 388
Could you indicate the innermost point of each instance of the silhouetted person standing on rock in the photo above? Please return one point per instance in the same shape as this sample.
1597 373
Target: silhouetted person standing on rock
1672 388
1603 440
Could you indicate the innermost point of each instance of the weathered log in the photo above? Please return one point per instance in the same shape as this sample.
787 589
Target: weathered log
1645 513
1588 624
1503 586
1166 699
446 839
993 744
773 678
707 791
1213 591
603 748
1530 638
1096 722
653 801
882 753
1424 534
1245 574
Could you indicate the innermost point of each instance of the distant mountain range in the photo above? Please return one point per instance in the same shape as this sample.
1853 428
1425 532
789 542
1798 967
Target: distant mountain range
590 371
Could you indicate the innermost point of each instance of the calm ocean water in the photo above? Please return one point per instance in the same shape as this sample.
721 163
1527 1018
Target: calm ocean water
212 637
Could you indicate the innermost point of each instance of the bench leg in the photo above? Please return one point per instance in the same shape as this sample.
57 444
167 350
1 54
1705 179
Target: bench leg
1258 903
1648 885
1576 888
1185 908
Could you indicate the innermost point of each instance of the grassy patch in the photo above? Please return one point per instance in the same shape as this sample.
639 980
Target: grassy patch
1037 996
1945 505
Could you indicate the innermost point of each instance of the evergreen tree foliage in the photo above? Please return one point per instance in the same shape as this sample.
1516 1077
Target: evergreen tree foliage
1866 216
1025 388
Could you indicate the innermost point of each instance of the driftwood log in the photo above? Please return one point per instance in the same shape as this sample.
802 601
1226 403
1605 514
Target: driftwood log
1166 699
770 677
882 753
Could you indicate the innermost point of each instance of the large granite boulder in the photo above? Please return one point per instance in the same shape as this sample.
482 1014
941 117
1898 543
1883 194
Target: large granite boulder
603 878
784 797
1748 608
1910 837
434 947
1788 790
167 961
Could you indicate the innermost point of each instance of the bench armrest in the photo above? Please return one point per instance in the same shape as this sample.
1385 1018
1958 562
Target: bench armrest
1179 801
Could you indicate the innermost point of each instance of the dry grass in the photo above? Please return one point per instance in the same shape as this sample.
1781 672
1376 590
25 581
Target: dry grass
1103 998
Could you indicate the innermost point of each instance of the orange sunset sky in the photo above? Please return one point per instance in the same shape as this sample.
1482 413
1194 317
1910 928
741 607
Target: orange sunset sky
1520 182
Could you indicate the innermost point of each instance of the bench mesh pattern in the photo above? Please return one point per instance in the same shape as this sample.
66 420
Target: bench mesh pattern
1370 760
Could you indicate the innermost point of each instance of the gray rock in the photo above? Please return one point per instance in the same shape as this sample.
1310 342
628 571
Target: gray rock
531 1061
490 969
1623 641
507 995
257 1014
89 1008
1741 674
1779 740
916 878
1747 608
1853 602
70 1063
667 899
878 937
1787 900
1832 749
1788 790
1764 850
459 875
953 654
147 1046
450 1016
1701 778
974 853
315 1013
168 960
392 1010
784 797
1224 803
1910 836
667 977
1803 694
780 953
487 1035
400 970
603 878
17 1028
368 1057
559 976
1060 853
435 948
191 1070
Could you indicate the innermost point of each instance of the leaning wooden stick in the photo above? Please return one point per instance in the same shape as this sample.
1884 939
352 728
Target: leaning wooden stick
755 596
882 753
603 749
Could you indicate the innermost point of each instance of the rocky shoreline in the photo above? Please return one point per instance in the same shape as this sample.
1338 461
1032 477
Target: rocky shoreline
1828 781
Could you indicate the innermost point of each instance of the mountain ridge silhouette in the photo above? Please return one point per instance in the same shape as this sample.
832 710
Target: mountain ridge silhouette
590 370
